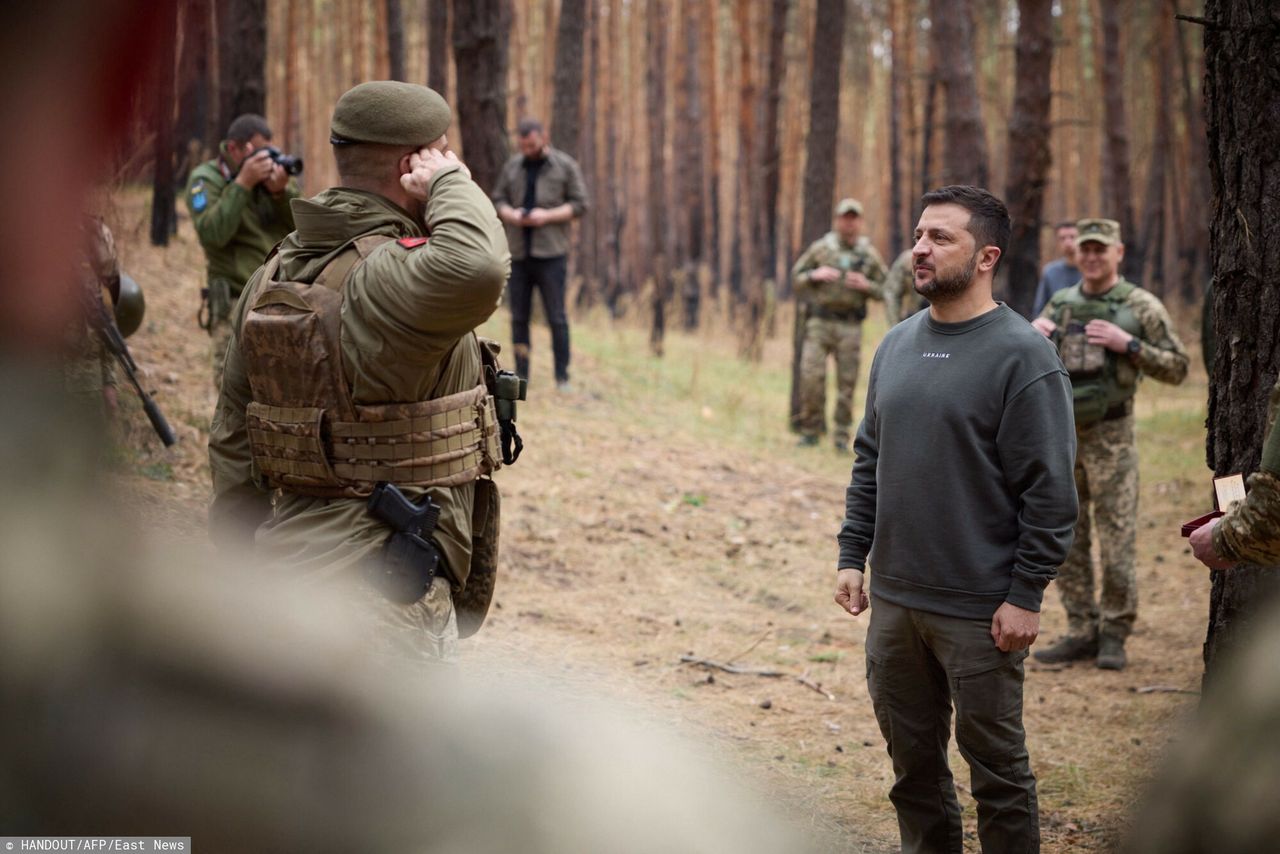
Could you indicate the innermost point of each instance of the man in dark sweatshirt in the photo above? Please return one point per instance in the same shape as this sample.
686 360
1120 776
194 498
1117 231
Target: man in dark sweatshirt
963 501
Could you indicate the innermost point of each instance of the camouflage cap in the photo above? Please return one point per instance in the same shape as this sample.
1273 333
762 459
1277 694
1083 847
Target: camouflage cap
846 206
1099 231
390 113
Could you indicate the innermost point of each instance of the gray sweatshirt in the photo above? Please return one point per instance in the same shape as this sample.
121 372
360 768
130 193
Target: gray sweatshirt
963 492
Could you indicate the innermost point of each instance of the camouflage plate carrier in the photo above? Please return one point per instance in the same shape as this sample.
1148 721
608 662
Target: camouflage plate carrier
1102 383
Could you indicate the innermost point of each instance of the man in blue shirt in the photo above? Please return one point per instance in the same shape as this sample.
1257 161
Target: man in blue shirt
1061 273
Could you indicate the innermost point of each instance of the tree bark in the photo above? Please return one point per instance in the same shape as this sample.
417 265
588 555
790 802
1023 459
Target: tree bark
897 85
1193 240
1117 188
395 39
1029 153
163 215
1154 202
1242 98
566 102
820 162
242 48
966 140
480 31
656 101
772 155
438 45
191 132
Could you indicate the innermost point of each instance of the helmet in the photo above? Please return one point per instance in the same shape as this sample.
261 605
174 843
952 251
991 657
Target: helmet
129 306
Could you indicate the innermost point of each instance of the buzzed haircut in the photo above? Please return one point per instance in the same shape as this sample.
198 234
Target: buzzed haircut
246 127
1066 223
367 161
988 217
528 126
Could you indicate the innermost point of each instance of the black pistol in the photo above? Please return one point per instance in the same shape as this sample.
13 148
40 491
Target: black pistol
409 560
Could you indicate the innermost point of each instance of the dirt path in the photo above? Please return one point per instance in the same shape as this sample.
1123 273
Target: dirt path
630 540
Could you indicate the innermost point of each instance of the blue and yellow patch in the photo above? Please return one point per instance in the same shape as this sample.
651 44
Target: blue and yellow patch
199 201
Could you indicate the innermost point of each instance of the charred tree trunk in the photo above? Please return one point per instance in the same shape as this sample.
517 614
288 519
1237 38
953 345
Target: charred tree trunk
567 96
1117 186
395 39
242 50
191 137
820 163
966 139
1193 240
480 31
1029 154
438 44
656 107
897 85
1242 99
927 179
164 217
689 142
772 155
1154 213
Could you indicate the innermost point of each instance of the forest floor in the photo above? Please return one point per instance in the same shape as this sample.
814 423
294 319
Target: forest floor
662 510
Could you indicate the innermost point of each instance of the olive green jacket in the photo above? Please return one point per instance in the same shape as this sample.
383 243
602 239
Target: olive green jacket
1250 532
836 296
236 227
559 182
408 317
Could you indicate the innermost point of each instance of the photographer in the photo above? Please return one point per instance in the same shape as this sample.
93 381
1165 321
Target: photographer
239 204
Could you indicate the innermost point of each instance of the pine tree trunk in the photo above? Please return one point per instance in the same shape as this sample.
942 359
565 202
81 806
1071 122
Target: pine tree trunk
242 49
395 39
1193 239
966 140
897 85
656 100
1117 188
567 97
1242 64
193 122
163 215
438 45
1029 154
820 161
480 31
772 155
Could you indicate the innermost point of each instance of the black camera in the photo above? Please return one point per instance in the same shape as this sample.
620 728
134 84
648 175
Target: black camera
290 163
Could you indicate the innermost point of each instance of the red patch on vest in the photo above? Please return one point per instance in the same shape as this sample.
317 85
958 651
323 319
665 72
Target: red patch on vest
411 242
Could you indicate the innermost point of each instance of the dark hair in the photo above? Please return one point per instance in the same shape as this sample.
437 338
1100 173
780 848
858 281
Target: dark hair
528 126
988 217
1066 223
246 127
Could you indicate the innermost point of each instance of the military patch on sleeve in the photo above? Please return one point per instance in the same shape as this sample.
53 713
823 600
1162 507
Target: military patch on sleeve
199 201
412 242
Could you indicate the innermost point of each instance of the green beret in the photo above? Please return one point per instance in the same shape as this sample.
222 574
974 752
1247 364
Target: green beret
391 113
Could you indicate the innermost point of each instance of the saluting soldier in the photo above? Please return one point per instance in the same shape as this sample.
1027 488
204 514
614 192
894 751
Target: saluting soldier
834 277
354 362
239 204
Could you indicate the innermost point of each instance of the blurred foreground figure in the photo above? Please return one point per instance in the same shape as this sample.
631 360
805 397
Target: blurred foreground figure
143 690
1218 793
356 386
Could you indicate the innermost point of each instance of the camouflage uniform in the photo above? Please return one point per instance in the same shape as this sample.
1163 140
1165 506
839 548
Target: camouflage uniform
1107 474
833 327
237 228
900 297
89 368
1250 532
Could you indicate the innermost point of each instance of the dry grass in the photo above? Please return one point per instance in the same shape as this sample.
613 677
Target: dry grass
662 509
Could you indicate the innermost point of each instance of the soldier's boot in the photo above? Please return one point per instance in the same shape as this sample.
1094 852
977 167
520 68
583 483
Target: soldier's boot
808 441
1070 648
842 444
1111 652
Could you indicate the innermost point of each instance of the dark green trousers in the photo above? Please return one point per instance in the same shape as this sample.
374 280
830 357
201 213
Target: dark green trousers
918 666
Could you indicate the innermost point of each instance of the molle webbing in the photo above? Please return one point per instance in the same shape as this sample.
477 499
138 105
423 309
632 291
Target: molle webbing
341 448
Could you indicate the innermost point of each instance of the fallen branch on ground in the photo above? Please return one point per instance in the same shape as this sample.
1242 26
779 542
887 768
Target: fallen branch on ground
1162 689
752 671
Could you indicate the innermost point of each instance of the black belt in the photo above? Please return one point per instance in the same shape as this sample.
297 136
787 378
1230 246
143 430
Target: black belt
852 315
1120 410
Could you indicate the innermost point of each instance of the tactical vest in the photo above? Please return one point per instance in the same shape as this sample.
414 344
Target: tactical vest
1102 382
836 302
306 433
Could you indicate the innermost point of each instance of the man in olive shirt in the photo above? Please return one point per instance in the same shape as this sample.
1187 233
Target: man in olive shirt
239 204
413 250
539 192
962 501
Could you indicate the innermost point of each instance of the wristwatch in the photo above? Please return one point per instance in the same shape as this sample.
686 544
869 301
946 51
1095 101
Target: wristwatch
1134 347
